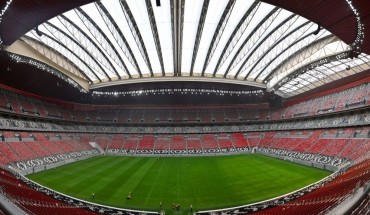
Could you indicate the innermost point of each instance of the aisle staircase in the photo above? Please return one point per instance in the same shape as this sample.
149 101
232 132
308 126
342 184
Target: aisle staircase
96 146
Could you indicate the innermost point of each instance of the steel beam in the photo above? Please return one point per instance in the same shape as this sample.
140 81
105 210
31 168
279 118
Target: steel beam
276 44
73 29
237 34
278 28
102 38
307 67
157 41
117 35
303 53
263 24
78 44
136 33
218 33
198 36
51 49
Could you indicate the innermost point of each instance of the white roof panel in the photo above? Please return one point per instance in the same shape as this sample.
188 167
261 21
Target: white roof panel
129 39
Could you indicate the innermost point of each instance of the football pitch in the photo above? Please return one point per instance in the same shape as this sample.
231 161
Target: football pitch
203 182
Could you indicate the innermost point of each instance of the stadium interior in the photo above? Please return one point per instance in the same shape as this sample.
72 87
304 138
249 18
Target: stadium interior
185 78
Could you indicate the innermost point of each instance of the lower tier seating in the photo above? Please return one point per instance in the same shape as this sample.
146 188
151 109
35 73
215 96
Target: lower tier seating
318 146
317 200
327 197
35 202
322 142
363 207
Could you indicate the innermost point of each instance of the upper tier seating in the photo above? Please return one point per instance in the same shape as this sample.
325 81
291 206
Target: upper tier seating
205 116
27 106
136 117
178 115
79 116
4 104
66 114
106 116
13 101
360 96
350 98
150 116
192 116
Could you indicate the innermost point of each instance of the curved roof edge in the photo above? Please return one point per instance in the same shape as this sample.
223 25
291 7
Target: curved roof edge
178 79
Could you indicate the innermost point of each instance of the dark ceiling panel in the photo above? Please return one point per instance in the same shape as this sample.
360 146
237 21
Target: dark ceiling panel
331 16
22 16
337 17
363 7
25 15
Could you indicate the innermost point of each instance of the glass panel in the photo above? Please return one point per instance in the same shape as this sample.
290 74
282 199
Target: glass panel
116 12
192 13
163 18
258 16
272 61
238 11
214 12
261 13
92 11
138 9
265 51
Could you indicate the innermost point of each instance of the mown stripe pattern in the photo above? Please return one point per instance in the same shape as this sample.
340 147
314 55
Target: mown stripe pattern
204 182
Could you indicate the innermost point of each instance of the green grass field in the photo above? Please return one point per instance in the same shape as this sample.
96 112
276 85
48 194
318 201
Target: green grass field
204 182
